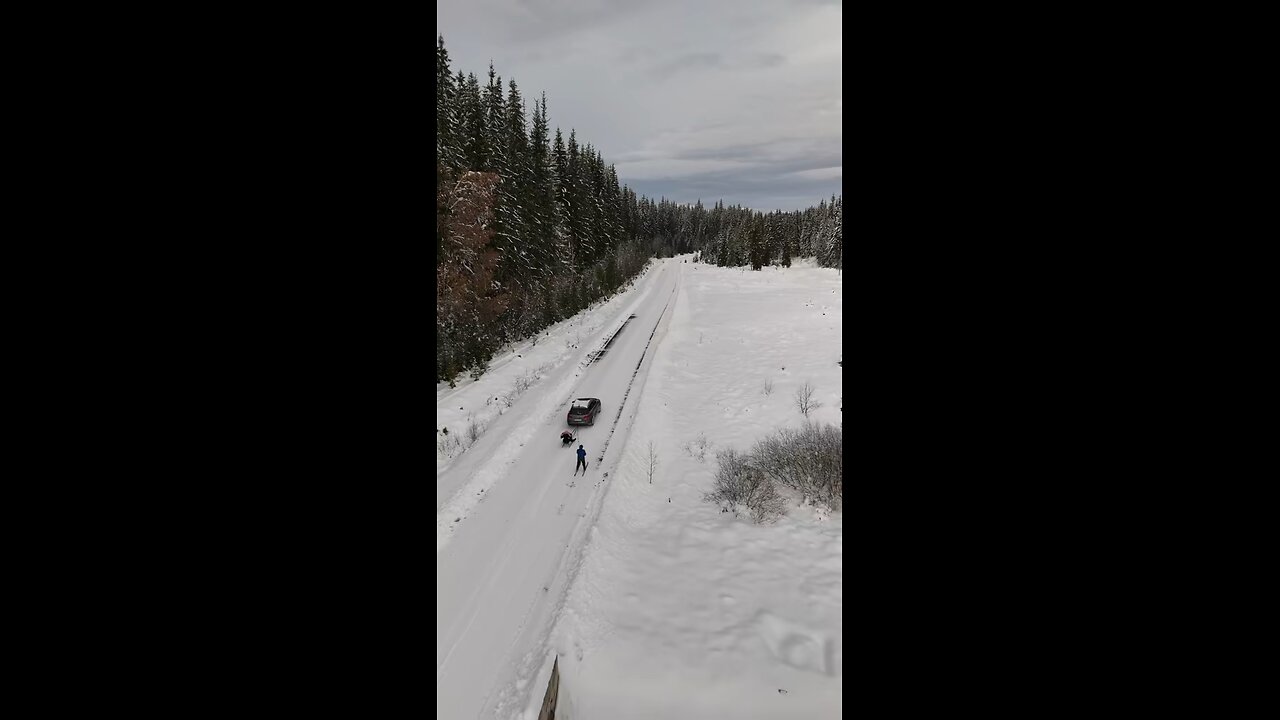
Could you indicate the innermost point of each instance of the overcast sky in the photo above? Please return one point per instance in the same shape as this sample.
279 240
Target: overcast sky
710 99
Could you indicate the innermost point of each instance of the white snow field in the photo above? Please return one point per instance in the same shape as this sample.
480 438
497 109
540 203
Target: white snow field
656 603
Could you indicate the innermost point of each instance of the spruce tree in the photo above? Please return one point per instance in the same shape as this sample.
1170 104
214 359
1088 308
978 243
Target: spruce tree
448 152
475 137
542 192
572 183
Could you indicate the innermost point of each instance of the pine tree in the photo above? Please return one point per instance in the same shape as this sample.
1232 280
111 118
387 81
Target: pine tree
448 150
541 210
475 138
572 182
563 186
836 252
756 242
519 167
494 123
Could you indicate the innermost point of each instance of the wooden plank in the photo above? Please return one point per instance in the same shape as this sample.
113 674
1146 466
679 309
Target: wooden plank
548 711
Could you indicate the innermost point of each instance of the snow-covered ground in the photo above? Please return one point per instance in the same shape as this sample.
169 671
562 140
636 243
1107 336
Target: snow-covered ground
657 604
679 610
512 513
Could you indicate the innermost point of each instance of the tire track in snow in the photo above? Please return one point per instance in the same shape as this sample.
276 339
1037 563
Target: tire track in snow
525 667
518 533
632 382
597 354
612 430
516 585
496 467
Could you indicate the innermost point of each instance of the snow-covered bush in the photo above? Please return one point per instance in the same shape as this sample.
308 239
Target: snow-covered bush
809 460
523 383
448 445
698 447
740 485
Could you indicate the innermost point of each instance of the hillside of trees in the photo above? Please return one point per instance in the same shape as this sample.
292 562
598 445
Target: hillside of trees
531 228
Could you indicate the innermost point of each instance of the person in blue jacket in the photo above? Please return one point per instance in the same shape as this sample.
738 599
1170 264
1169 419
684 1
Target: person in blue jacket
582 461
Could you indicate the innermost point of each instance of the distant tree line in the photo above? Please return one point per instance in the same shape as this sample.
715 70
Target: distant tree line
531 229
735 236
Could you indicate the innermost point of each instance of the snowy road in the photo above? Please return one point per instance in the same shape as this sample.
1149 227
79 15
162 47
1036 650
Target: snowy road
501 567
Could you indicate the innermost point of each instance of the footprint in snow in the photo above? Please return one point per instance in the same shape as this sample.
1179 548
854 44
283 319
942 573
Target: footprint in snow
796 645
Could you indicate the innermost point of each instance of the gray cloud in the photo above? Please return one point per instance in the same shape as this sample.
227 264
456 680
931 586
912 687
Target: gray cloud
765 60
694 62
687 63
538 21
731 99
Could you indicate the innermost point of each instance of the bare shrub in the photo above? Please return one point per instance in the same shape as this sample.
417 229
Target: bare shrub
652 459
448 445
740 485
698 447
523 383
473 430
519 387
809 460
805 401
768 387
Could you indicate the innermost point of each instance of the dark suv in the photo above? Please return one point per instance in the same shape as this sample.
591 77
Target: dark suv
584 411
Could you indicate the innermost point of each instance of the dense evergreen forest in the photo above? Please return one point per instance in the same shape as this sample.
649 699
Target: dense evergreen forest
531 228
